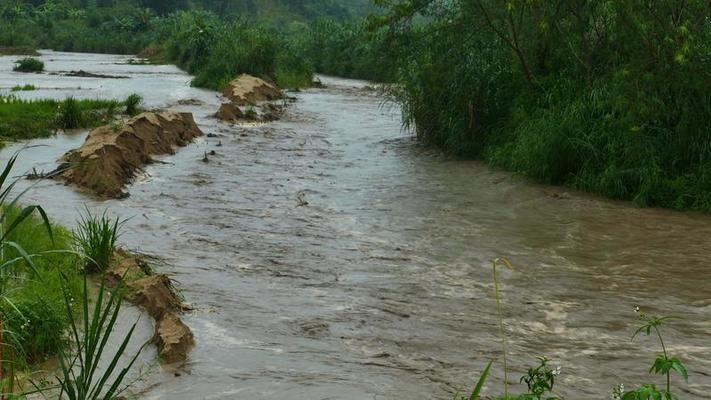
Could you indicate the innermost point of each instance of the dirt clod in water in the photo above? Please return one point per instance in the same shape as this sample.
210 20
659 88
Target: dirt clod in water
85 74
173 338
247 89
110 156
229 112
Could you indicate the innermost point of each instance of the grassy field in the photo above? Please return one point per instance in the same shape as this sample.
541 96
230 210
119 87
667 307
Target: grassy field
29 119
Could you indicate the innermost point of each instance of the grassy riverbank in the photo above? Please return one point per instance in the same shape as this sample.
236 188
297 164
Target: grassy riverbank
28 119
33 309
604 96
45 310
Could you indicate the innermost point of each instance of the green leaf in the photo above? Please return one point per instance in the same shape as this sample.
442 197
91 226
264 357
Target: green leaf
480 383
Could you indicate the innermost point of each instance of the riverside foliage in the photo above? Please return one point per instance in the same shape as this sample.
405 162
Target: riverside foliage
611 97
605 96
212 48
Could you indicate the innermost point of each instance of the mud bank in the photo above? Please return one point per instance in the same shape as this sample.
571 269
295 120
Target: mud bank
155 293
249 100
110 156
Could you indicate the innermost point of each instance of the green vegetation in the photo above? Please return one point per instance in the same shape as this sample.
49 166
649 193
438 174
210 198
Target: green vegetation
40 293
32 314
28 64
25 88
133 104
96 238
195 38
80 375
216 51
610 97
540 380
27 119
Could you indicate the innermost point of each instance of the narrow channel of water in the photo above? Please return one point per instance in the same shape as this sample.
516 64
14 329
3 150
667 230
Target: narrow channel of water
379 287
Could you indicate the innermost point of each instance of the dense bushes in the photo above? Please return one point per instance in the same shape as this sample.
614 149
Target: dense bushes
349 49
216 51
28 64
605 96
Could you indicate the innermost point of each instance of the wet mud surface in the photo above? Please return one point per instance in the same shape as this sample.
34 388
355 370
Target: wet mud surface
328 256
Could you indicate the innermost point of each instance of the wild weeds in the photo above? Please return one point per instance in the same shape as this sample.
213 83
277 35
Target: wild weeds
70 115
133 104
28 64
540 380
27 119
663 365
83 375
95 238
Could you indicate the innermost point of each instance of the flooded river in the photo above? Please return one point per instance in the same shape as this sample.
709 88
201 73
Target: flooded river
328 256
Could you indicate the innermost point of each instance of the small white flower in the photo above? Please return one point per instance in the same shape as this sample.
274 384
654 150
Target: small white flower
636 309
557 370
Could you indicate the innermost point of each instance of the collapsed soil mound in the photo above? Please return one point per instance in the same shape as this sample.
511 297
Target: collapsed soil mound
173 338
155 293
250 100
110 156
247 89
229 112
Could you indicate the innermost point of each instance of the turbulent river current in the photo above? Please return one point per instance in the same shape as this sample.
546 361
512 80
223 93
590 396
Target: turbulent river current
329 256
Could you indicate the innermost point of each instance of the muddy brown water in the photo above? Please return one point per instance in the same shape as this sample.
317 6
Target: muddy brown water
328 256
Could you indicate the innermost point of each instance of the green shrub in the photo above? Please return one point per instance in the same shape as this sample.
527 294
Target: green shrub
29 64
71 115
95 238
133 104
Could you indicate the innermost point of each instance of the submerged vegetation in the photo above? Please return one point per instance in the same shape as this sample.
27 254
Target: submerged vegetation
28 64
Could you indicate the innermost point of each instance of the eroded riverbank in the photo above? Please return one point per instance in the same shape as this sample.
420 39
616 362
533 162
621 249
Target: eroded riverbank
328 256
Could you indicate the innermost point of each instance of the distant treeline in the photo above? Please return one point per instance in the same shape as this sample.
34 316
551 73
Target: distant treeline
284 10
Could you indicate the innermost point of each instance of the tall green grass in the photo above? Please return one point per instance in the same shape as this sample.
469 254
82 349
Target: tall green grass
31 254
41 291
217 51
29 119
92 370
95 237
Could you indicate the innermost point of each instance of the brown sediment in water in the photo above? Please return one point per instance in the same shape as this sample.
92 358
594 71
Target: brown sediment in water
110 156
155 293
229 112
